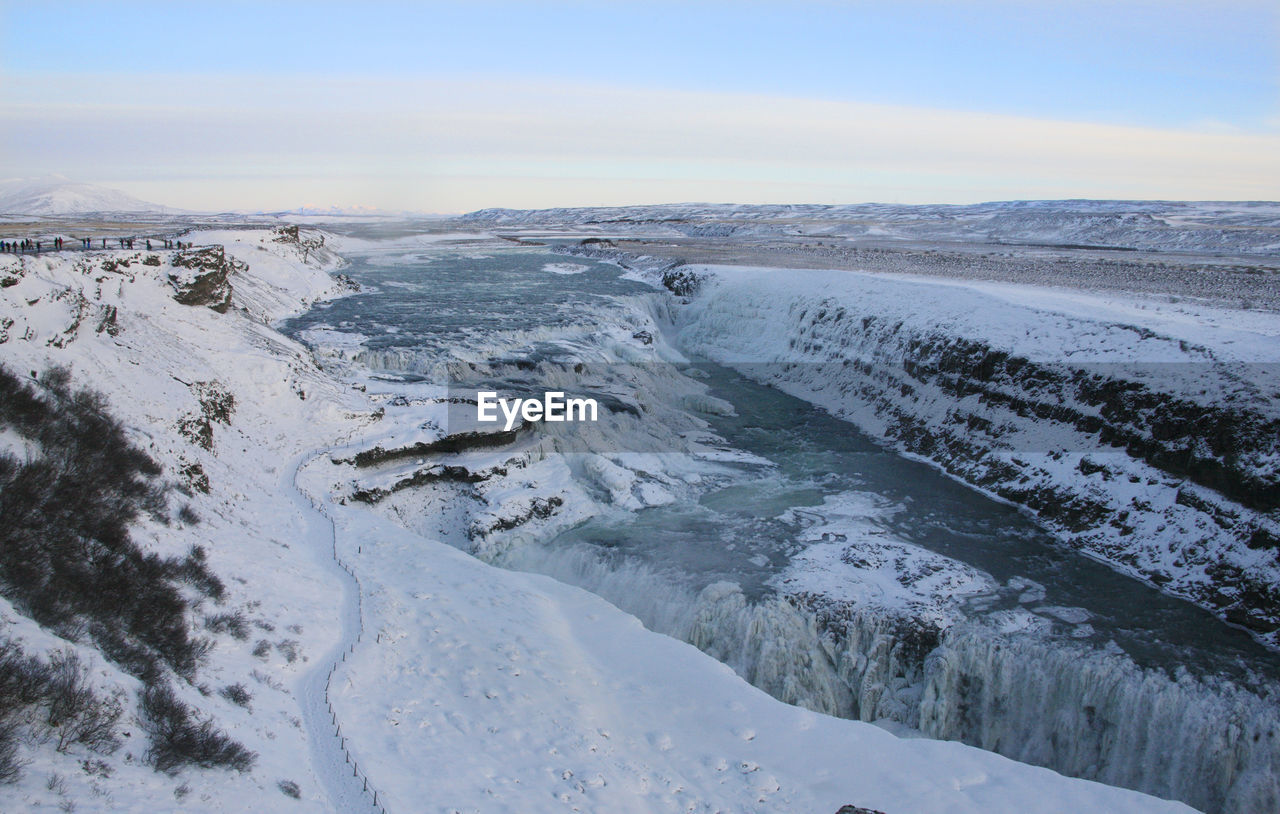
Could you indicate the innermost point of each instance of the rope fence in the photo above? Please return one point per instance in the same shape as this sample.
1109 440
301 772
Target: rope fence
367 788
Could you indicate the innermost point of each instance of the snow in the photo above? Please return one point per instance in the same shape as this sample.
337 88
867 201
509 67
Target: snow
458 686
1043 324
564 268
19 446
851 558
1228 334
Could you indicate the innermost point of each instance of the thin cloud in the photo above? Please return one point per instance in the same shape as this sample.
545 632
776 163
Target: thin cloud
444 145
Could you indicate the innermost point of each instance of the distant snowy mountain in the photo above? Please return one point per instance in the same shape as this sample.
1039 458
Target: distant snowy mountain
344 211
56 195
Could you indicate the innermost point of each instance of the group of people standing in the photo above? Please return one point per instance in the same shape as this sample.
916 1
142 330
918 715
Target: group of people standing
21 245
56 244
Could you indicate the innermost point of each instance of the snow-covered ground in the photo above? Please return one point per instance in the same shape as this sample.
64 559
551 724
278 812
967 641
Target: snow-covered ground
458 686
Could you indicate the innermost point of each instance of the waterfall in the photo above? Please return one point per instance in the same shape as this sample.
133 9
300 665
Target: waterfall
1078 710
1096 715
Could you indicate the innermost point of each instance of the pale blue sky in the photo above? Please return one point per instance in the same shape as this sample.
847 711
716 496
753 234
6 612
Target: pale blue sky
95 88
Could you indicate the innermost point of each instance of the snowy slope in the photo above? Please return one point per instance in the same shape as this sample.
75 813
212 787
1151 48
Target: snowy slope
56 195
457 686
113 319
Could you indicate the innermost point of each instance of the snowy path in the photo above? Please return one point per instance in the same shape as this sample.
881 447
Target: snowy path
347 790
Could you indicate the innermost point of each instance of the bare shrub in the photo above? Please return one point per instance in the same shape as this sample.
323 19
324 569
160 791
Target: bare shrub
66 555
96 768
42 701
194 570
233 623
10 759
237 694
188 515
289 649
179 737
75 712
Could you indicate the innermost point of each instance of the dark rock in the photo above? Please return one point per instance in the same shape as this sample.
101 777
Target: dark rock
539 509
194 476
435 474
459 442
108 323
200 277
681 282
1261 538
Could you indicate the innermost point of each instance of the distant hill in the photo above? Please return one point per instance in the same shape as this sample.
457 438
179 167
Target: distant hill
56 195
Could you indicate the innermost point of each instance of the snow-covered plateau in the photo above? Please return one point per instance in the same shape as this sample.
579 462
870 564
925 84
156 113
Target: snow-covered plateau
1216 227
356 521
